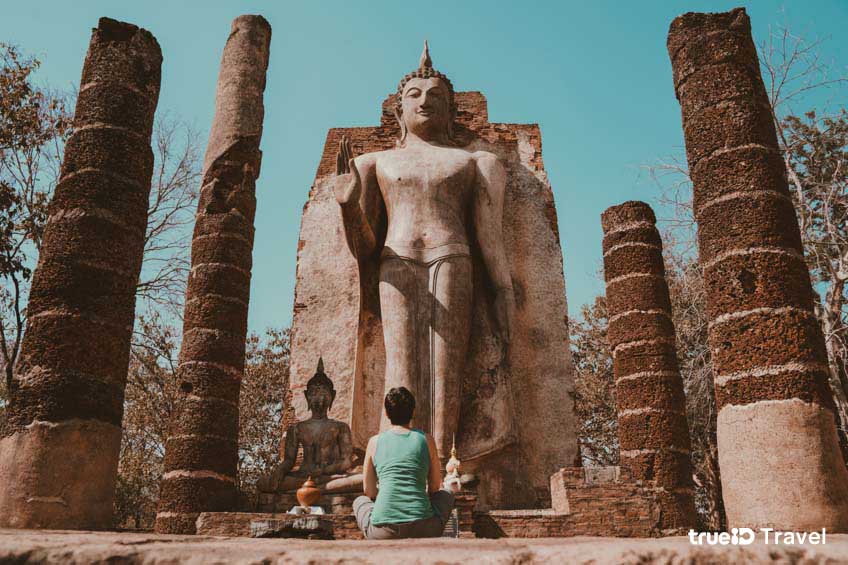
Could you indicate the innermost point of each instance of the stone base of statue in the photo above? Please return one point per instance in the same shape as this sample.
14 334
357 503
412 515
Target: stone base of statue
281 525
585 501
308 526
269 507
273 514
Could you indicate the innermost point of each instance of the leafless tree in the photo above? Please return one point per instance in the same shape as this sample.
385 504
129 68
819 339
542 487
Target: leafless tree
815 151
147 412
688 303
262 405
173 199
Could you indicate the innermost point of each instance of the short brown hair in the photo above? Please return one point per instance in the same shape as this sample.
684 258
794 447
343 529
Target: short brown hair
400 404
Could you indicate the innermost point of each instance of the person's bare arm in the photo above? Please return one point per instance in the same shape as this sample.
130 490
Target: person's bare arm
355 184
488 223
369 481
434 478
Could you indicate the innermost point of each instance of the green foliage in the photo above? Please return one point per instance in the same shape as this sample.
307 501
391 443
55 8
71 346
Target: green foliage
594 386
817 152
263 405
33 128
149 402
816 155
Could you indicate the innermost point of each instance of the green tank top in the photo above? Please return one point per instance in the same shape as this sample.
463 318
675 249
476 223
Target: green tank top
402 462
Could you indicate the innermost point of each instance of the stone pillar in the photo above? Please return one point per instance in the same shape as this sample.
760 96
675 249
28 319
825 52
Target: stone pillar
652 428
201 453
780 460
59 452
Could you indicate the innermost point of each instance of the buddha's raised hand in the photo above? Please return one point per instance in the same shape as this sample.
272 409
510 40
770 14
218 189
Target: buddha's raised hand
348 185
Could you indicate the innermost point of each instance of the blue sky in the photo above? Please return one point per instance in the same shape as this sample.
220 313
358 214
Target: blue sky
594 75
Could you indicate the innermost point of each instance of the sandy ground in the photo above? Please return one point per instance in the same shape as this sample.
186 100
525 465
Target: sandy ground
30 546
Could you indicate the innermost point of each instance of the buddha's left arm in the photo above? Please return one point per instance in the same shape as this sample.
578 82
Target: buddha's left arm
345 453
488 205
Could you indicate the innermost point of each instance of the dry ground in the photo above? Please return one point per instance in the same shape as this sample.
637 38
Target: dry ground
30 546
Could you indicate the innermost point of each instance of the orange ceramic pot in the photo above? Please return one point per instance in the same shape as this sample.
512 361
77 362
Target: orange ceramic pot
308 494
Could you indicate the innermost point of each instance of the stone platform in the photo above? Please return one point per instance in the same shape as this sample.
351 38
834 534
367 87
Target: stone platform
339 515
44 546
584 501
238 524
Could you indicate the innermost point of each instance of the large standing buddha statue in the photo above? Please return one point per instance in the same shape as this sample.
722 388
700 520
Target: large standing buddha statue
429 257
436 201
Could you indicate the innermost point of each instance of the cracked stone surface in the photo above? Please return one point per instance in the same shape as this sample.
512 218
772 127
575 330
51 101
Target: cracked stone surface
29 546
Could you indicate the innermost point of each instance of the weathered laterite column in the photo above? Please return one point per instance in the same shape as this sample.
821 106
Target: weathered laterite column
59 452
652 429
780 460
201 454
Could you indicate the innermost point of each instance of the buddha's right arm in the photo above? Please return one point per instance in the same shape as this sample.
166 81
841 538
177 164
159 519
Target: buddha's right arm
358 197
289 452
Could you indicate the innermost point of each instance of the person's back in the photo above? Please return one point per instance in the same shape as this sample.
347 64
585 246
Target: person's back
402 461
402 472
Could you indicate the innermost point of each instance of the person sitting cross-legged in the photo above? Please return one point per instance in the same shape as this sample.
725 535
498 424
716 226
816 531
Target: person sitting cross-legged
410 502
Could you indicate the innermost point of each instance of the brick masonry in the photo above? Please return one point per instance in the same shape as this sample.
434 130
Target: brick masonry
59 452
780 461
587 501
201 453
652 428
590 501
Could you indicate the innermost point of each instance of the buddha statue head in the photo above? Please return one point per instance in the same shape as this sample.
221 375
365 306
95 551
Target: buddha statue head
320 392
425 104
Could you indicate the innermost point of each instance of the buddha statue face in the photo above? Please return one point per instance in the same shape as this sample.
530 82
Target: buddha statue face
319 398
426 109
425 105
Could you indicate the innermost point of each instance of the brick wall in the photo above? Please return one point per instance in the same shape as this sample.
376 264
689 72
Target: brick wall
590 501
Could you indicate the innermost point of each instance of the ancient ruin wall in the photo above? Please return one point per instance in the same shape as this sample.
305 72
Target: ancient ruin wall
780 461
652 429
59 453
201 453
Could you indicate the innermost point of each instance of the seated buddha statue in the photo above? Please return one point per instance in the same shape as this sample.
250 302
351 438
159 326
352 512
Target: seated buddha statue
326 446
